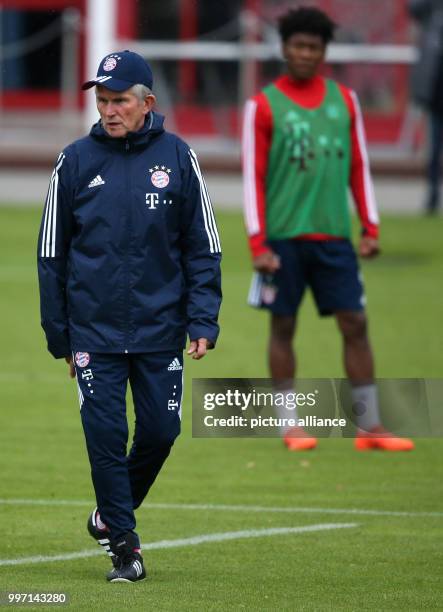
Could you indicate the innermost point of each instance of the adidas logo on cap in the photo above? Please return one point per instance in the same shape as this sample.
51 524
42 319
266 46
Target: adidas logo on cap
175 365
96 182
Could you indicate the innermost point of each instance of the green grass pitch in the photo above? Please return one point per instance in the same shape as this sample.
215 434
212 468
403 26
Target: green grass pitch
384 562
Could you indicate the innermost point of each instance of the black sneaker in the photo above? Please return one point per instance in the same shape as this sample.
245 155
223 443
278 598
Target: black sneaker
130 562
101 535
130 569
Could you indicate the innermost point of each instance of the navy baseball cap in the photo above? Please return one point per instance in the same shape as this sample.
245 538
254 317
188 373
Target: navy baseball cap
120 71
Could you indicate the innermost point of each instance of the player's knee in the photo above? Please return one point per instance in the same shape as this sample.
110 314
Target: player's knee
282 329
106 457
166 439
161 437
105 437
354 325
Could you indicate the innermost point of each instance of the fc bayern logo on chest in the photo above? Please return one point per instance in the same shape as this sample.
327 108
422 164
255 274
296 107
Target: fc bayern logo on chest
160 176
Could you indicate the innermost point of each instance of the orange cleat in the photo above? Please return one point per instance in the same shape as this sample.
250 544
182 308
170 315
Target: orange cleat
296 439
380 439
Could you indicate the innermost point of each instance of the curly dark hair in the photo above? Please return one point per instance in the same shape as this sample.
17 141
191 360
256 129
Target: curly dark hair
306 20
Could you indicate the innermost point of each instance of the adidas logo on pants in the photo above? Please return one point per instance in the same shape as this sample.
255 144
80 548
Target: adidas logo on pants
175 365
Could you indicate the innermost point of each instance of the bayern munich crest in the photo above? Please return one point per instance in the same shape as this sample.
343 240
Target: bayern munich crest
82 359
160 176
268 294
110 62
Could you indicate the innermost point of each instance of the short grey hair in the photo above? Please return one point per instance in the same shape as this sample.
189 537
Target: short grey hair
141 91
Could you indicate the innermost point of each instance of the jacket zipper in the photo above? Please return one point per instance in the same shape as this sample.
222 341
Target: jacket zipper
127 282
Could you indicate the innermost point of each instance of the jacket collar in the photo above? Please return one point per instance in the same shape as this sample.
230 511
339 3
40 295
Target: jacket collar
152 127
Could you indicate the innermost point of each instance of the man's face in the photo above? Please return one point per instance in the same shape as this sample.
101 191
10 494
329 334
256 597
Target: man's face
304 54
121 112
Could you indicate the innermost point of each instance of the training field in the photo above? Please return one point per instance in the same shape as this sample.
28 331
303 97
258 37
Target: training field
231 524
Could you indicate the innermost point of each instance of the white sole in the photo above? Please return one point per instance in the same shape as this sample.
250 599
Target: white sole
126 580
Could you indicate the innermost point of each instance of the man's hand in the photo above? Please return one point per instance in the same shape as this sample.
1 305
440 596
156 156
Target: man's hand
198 348
266 263
71 366
369 247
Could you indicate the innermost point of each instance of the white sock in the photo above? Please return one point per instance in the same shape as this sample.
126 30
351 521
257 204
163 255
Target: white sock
100 524
282 411
365 406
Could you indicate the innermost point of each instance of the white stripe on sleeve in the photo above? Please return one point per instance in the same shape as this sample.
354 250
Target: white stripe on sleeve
208 214
249 184
367 181
54 214
50 222
47 215
211 218
50 208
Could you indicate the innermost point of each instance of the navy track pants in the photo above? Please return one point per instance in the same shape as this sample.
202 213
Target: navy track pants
121 481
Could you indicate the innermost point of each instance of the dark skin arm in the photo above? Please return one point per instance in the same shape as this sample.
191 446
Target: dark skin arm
369 247
267 263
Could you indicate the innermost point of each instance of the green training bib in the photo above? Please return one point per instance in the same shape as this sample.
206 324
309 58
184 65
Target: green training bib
308 166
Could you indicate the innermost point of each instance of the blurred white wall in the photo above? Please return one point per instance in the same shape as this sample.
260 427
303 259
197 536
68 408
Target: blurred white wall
101 28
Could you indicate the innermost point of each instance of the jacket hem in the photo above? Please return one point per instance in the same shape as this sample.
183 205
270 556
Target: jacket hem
130 350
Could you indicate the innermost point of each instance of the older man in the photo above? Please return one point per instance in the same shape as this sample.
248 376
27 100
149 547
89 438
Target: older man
129 264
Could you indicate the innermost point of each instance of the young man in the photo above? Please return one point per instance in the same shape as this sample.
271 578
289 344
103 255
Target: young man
129 265
303 145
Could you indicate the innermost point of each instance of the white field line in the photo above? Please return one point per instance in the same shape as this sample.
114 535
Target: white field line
194 541
227 508
291 510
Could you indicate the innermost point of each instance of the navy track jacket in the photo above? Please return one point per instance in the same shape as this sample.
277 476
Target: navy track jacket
128 250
